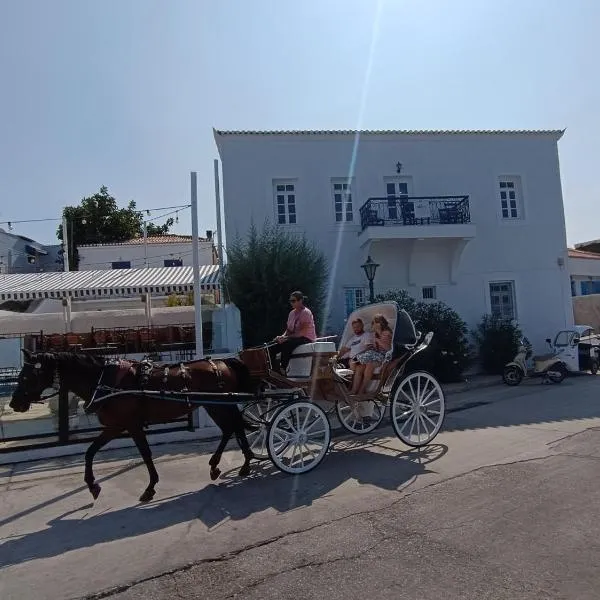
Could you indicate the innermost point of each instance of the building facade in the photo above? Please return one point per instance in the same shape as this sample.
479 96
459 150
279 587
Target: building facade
474 219
153 251
20 254
584 268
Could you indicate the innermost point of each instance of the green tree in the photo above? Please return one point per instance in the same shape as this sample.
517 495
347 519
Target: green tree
99 220
498 342
262 270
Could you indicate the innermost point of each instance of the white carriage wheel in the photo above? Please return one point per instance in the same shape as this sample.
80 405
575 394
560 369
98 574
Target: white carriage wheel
257 415
418 408
299 436
359 416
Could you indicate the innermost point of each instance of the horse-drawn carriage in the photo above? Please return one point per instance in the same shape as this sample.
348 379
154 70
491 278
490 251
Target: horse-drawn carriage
415 398
284 417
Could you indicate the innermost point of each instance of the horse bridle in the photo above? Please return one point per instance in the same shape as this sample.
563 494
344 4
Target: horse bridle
55 383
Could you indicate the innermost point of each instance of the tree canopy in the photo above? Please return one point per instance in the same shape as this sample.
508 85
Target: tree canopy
262 270
98 220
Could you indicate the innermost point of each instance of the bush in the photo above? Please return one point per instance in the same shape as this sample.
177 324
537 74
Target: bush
262 270
448 354
498 342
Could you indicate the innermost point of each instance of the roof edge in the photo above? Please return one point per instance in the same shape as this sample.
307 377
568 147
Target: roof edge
221 133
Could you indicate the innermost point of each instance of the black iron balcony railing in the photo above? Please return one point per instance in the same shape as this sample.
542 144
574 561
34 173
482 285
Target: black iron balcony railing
415 210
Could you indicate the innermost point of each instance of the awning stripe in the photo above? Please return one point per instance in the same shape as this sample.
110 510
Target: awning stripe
119 282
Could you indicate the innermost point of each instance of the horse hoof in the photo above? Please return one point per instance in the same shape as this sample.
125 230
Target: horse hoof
244 471
95 490
147 496
214 473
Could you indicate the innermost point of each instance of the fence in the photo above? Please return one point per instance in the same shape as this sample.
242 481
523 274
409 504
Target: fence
62 420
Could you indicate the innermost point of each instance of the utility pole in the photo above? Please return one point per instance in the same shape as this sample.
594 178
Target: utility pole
196 268
65 244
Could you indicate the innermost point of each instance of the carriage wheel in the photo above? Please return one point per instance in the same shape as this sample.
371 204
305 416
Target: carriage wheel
359 416
257 416
298 438
418 408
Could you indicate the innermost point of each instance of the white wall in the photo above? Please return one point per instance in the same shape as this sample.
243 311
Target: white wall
583 269
101 257
525 251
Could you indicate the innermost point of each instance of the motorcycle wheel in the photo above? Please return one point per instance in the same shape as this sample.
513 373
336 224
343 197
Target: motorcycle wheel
512 375
561 373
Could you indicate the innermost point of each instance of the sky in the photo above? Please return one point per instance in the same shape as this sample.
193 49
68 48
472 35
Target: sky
125 93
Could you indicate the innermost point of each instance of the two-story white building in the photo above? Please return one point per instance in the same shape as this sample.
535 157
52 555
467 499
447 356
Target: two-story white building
153 251
472 218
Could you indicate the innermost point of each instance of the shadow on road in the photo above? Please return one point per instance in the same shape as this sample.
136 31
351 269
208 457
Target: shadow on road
529 405
369 462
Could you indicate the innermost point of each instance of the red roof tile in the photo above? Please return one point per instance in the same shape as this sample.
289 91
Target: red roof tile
583 254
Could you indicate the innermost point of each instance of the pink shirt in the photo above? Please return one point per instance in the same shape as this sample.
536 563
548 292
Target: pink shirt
301 323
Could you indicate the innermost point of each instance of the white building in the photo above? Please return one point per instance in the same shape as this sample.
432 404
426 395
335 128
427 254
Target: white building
472 218
584 268
154 251
20 254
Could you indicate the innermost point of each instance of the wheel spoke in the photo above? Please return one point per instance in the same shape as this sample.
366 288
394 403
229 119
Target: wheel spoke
426 417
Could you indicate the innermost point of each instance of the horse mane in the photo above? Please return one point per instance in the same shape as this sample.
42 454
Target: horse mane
81 359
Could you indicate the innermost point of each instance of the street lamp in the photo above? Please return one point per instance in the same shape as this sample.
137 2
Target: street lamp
370 267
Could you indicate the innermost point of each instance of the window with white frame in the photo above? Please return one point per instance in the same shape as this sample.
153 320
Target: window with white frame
509 190
285 202
502 299
342 200
429 292
354 298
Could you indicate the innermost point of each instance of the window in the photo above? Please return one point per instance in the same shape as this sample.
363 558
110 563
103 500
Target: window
573 288
591 286
429 292
354 298
285 202
510 197
173 262
395 189
502 299
122 264
342 200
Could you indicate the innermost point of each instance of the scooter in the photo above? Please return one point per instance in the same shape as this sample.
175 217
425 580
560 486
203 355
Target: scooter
547 366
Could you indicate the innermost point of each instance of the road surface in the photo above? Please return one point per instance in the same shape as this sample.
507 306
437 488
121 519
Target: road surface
502 505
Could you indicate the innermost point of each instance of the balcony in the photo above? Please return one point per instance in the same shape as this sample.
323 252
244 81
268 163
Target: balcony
412 217
411 229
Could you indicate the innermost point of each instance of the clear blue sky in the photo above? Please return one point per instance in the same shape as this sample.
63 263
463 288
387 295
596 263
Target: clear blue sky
125 92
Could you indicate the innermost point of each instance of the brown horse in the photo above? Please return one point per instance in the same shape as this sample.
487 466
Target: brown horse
89 377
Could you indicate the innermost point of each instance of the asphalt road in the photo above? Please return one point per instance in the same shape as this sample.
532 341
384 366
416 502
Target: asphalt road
502 505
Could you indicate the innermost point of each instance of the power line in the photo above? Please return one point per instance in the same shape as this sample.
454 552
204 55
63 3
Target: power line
11 222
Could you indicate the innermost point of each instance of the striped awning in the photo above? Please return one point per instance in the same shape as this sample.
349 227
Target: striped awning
117 282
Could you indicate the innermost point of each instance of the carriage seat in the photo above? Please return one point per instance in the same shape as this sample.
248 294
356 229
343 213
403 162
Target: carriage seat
301 361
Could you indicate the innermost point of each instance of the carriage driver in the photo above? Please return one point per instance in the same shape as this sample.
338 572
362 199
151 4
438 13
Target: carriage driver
300 330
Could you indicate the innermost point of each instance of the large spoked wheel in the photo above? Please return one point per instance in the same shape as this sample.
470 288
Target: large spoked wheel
256 418
359 416
298 438
418 408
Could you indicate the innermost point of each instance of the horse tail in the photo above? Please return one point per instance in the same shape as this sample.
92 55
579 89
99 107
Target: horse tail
242 373
247 385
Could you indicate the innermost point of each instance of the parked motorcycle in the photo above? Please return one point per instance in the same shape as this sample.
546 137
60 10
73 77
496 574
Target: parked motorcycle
548 366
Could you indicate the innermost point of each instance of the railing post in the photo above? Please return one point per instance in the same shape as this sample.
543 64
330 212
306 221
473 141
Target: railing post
63 415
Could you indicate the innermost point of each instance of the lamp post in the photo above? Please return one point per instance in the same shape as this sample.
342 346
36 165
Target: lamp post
370 267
